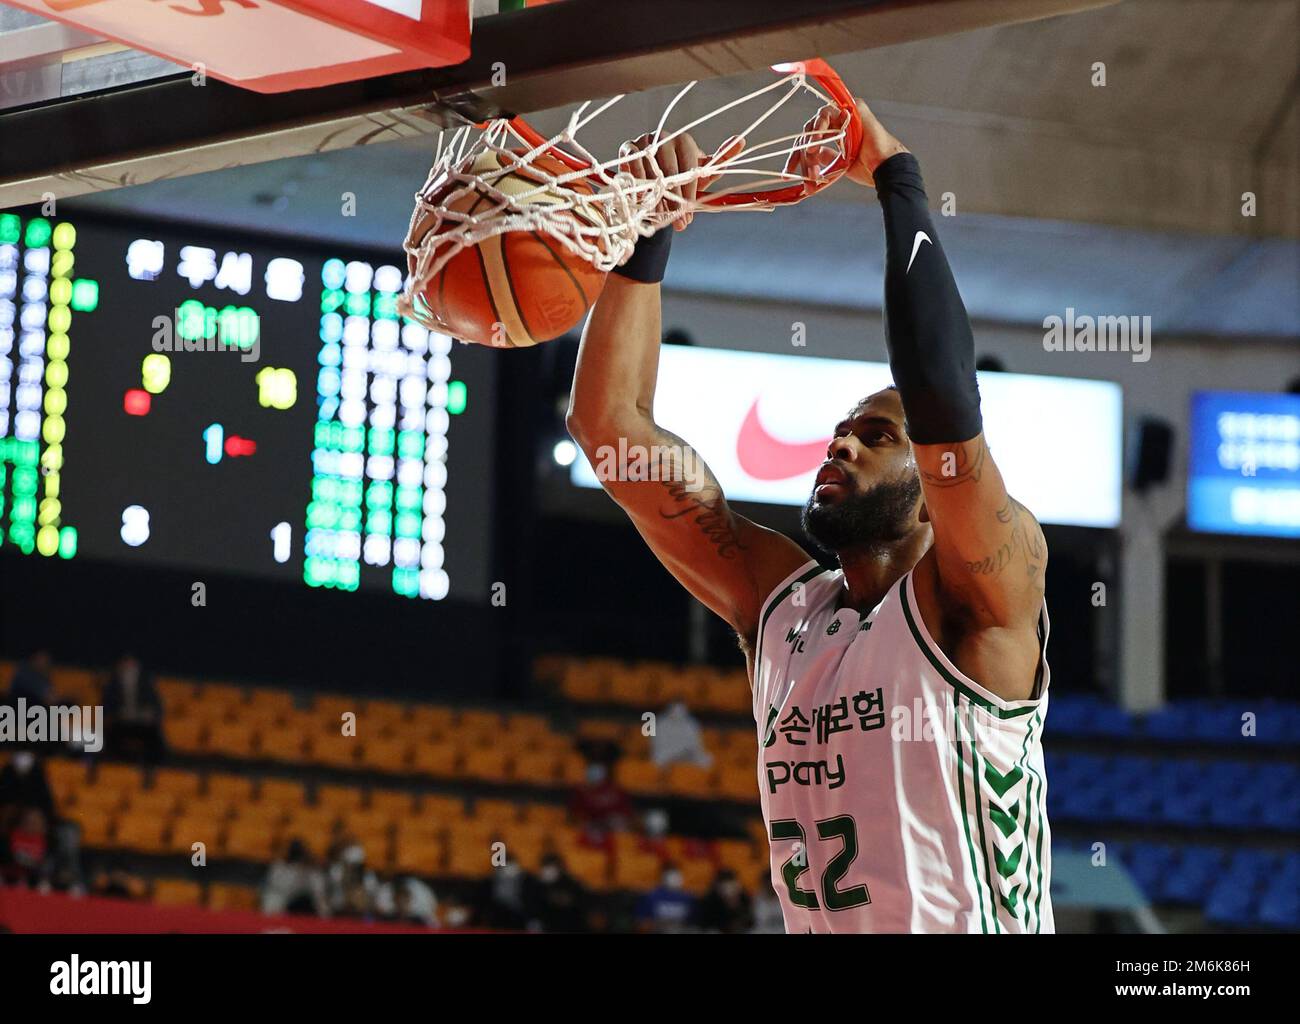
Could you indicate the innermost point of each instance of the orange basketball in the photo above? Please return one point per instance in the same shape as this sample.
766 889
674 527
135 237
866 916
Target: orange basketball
513 289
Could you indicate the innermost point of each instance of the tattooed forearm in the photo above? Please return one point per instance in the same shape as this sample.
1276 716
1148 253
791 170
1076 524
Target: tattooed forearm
964 463
697 497
1025 538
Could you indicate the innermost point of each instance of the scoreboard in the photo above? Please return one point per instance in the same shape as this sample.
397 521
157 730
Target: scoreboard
185 397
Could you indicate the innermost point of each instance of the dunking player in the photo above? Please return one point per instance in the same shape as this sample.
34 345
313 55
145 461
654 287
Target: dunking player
899 698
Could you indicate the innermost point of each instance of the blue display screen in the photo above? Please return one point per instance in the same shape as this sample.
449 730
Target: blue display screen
1243 472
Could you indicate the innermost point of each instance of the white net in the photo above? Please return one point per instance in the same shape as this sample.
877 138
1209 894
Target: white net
498 179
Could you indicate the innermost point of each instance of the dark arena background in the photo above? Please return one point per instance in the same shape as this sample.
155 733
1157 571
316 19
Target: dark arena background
374 652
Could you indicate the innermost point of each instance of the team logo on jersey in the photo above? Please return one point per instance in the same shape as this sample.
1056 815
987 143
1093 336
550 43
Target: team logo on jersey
805 773
795 639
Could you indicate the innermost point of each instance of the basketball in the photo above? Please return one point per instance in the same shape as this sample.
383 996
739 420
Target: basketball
515 289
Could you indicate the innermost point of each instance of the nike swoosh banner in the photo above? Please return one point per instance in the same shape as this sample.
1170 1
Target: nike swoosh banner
762 423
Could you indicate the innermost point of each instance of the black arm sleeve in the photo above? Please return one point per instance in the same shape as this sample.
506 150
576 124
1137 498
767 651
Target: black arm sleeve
931 348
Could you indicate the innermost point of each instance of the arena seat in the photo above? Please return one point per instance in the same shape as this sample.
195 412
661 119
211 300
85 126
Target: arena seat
177 781
639 776
691 780
285 792
588 866
250 838
285 742
536 767
438 759
393 802
419 855
637 870
185 735
228 896
236 788
177 893
335 750
187 830
232 738
342 799
141 831
487 764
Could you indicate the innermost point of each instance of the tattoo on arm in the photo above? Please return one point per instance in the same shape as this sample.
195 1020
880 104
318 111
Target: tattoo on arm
699 500
1026 538
963 467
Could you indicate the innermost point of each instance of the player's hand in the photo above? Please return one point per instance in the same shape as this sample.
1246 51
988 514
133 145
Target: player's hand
877 145
671 158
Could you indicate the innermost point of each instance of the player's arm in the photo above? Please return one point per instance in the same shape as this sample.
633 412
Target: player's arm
989 553
726 561
989 550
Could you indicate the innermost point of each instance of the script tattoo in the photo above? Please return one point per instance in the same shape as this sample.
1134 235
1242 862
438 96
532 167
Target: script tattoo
966 466
704 505
1025 537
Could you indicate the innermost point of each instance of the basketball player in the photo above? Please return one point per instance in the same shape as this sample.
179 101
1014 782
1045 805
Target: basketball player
900 697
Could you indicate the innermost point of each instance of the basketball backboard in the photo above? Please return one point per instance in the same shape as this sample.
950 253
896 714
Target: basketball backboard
79 114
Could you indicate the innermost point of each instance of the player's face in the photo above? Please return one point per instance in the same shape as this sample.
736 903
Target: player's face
868 489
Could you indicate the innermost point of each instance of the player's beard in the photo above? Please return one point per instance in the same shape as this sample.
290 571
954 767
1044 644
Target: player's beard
881 515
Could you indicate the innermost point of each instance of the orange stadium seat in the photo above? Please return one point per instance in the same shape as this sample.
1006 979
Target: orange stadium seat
175 693
639 776
185 735
638 870
382 718
344 799
429 720
177 781
549 815
229 738
386 754
285 792
236 788
697 875
225 694
249 840
487 764
121 777
368 821
141 831
177 893
537 767
332 707
394 802
420 830
153 802
733 853
573 769
468 860
268 702
588 866
441 808
419 855
285 741
736 781
682 684
189 829
585 683
439 759
95 822
215 809
314 820
496 812
66 777
335 750
227 896
105 799
82 685
268 812
690 780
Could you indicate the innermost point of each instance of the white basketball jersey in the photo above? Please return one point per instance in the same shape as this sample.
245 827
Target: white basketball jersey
899 795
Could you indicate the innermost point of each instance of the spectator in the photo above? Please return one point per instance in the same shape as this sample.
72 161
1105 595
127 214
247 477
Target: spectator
768 918
504 901
726 906
23 785
668 908
678 739
31 680
133 713
554 901
294 885
599 807
353 889
409 900
24 849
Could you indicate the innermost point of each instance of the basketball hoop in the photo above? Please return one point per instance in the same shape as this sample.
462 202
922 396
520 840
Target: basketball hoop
504 176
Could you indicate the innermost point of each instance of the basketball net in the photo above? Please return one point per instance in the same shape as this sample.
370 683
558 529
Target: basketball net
602 219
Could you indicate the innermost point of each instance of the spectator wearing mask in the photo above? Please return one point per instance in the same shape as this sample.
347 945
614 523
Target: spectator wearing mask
600 807
725 907
668 908
133 713
409 900
353 889
678 739
295 885
554 901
